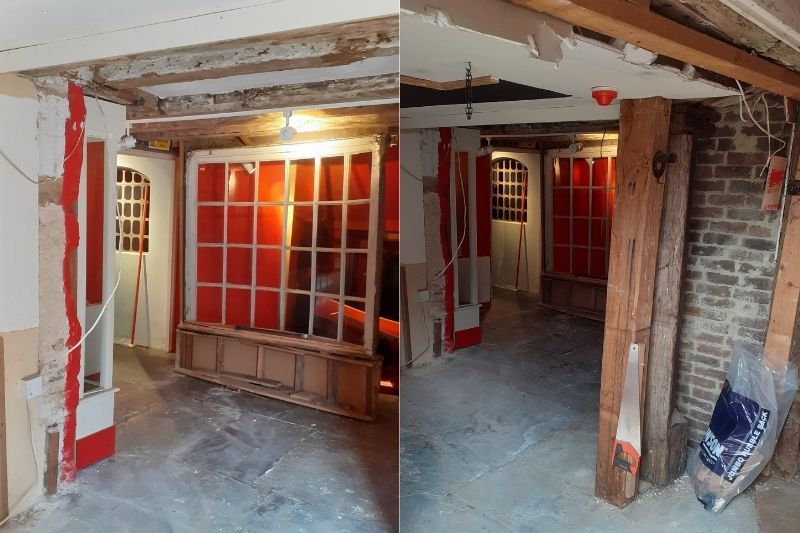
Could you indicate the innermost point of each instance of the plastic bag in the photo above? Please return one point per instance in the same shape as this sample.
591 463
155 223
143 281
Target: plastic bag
743 430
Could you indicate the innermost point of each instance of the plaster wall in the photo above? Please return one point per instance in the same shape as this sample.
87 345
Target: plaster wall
155 291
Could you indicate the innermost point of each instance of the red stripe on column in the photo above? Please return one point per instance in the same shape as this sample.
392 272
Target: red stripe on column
95 447
73 153
468 337
445 136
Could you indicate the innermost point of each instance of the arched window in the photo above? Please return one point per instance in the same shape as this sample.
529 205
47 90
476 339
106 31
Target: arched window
133 211
509 181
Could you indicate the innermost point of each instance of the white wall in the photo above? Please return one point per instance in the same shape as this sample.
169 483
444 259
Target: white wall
412 221
19 201
155 291
505 235
19 284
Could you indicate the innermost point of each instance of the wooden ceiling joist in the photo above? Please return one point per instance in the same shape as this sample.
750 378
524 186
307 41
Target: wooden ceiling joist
323 46
550 128
640 26
321 93
448 85
327 123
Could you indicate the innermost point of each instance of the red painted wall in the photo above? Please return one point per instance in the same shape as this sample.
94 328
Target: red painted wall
483 195
392 173
95 206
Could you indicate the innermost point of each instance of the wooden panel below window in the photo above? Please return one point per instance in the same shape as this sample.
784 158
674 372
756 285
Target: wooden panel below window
328 376
577 295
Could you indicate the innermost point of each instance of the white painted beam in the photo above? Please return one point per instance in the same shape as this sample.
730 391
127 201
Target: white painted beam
46 33
780 18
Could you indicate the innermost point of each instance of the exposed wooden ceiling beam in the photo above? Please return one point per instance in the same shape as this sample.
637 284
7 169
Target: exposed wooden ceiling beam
617 18
283 96
448 85
551 128
310 124
322 46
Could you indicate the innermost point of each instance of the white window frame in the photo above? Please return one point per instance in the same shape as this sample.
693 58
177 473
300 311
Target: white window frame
609 151
523 172
146 189
317 151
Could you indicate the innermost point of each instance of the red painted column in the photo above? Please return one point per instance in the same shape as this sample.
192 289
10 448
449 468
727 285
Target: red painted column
445 137
69 196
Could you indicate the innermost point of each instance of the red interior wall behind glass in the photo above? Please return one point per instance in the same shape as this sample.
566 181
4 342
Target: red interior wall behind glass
95 206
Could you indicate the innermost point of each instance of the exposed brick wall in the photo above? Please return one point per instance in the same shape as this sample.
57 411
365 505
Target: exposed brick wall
730 251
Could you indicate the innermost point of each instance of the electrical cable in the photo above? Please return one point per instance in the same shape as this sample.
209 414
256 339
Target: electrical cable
22 173
464 234
117 250
743 100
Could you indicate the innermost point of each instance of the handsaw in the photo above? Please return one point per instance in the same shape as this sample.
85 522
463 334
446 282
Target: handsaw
627 448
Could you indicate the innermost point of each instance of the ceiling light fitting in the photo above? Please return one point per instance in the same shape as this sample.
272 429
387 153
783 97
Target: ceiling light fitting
287 132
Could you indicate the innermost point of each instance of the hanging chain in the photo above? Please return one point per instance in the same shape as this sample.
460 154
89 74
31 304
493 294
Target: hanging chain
468 87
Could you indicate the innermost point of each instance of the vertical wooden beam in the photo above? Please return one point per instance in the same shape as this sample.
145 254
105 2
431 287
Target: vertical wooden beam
51 472
375 252
659 400
3 459
644 126
405 317
178 246
783 323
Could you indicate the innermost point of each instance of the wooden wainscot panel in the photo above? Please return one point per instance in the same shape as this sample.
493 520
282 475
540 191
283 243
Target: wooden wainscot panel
204 353
239 358
313 373
278 365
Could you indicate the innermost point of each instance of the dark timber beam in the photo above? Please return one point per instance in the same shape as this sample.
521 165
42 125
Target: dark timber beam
643 131
551 128
322 46
283 96
621 20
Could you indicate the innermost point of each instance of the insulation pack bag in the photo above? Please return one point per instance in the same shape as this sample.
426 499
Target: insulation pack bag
744 428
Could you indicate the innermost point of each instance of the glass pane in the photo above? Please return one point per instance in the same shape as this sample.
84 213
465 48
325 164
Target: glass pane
561 202
301 180
357 226
599 171
267 310
360 176
301 225
240 224
561 259
211 182
329 268
210 224
239 266
241 181
270 224
209 265
299 270
329 226
268 268
209 304
599 202
580 202
297 309
580 172
561 231
355 275
353 330
326 317
561 172
580 261
271 178
237 307
598 266
331 178
580 231
600 230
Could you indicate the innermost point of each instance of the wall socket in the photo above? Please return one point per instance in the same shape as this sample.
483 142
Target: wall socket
32 387
424 295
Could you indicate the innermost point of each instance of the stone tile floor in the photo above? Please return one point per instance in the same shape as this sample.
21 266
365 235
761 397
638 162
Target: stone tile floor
502 436
195 457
